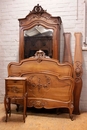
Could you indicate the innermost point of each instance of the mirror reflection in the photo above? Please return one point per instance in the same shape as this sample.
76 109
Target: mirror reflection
38 38
38 30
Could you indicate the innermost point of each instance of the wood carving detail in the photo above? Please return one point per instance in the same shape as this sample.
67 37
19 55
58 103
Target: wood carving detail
37 9
37 104
14 89
78 71
39 82
39 55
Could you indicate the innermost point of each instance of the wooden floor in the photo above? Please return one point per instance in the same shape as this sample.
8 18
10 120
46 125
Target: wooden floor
40 120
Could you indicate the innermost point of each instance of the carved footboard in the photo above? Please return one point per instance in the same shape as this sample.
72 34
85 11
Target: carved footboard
49 90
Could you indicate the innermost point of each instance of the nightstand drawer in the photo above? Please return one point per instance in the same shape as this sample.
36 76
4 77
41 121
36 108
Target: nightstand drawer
15 87
15 82
14 90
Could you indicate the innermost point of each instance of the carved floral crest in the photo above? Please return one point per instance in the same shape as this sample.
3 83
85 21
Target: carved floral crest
37 9
39 55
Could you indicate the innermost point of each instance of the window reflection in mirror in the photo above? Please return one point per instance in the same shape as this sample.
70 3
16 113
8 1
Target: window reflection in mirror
38 38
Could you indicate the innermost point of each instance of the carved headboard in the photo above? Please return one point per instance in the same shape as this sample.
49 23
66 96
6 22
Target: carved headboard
39 63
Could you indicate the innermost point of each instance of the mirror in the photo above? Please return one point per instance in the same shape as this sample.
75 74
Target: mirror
38 38
39 31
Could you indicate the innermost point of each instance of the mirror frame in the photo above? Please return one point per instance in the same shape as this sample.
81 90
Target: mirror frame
38 16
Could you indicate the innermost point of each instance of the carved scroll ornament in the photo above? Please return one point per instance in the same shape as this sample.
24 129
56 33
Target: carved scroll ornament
78 71
37 103
13 89
37 9
38 81
39 55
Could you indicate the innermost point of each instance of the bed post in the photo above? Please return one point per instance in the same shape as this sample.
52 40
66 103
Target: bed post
77 71
67 52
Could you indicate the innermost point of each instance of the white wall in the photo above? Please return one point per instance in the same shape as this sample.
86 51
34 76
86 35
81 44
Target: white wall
12 10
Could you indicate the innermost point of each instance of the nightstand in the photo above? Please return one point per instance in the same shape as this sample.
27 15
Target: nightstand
15 88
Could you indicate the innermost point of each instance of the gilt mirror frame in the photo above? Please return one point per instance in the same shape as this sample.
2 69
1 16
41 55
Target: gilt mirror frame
38 16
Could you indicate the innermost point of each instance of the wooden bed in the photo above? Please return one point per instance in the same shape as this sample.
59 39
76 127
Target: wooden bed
49 83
